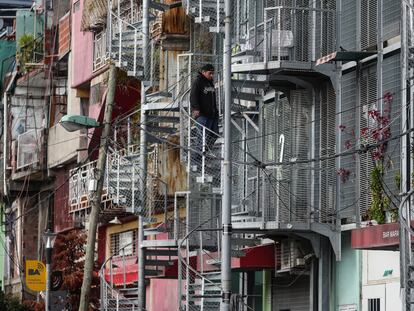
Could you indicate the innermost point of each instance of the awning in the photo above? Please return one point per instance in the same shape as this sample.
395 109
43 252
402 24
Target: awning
386 236
256 258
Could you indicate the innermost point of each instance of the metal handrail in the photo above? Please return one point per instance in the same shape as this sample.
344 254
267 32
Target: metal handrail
108 285
195 272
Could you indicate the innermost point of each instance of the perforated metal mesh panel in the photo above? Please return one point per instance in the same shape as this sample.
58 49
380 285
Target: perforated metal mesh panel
287 138
300 33
349 24
392 84
327 145
368 18
391 19
368 94
348 123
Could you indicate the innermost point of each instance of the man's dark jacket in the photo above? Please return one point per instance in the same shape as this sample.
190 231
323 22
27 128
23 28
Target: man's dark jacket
203 97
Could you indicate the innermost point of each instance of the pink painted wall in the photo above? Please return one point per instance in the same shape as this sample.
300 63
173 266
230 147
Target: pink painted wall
163 295
82 48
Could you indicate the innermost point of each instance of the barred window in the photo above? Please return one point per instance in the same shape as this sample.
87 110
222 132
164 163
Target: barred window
124 243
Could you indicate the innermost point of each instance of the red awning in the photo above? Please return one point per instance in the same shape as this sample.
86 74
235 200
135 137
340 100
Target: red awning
386 236
256 258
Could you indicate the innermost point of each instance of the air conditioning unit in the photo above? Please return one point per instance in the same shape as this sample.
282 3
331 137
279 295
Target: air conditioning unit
290 255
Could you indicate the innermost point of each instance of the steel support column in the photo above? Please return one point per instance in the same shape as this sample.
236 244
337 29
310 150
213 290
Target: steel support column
226 203
143 159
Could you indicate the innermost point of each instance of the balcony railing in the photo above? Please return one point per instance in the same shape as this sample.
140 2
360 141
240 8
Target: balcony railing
100 52
29 147
298 34
121 186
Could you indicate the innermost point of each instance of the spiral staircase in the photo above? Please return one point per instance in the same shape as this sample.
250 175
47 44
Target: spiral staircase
196 238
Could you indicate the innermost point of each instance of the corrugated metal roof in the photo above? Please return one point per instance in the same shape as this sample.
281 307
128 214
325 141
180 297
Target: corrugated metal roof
94 14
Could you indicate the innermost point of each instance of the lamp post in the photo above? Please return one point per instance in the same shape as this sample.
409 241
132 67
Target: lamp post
49 238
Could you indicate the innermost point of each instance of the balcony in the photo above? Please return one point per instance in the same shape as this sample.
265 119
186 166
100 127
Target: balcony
121 189
100 51
28 154
289 39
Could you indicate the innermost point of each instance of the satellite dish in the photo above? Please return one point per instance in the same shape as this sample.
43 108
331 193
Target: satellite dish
1 23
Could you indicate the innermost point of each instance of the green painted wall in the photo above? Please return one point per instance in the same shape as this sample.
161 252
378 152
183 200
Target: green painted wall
25 24
267 290
348 274
7 53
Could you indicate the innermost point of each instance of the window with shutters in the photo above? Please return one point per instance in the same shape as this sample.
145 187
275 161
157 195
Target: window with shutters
124 243
368 20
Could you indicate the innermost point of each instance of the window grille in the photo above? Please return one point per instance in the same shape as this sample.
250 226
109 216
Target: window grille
124 243
374 304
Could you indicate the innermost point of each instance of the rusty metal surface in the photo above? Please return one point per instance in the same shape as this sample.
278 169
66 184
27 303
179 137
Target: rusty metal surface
170 168
175 21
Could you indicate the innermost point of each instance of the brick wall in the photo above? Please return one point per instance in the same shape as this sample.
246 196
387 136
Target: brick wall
64 34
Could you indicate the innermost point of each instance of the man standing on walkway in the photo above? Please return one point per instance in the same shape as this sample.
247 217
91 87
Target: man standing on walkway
204 107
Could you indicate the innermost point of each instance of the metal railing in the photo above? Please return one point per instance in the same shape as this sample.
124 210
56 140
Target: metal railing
100 51
298 34
111 298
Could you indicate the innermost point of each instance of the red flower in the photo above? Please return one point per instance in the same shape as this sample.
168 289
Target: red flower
343 174
388 97
342 127
348 144
364 131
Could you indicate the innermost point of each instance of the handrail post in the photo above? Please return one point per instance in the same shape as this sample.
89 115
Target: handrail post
135 51
175 218
265 51
120 35
111 275
279 26
124 268
117 178
203 157
165 202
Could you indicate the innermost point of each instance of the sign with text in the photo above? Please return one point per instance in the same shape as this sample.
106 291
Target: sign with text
35 275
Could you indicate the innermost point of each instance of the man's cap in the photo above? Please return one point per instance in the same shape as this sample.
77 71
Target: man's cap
207 67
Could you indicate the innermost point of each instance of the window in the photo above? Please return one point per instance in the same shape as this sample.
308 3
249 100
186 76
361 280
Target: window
124 243
374 304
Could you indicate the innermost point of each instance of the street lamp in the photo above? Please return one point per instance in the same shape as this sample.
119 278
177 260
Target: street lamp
49 238
73 122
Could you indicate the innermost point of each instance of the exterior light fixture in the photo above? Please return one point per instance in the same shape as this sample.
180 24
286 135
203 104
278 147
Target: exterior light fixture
73 123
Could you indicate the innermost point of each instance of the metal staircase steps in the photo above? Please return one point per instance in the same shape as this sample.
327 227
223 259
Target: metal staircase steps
152 118
160 252
158 262
159 243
